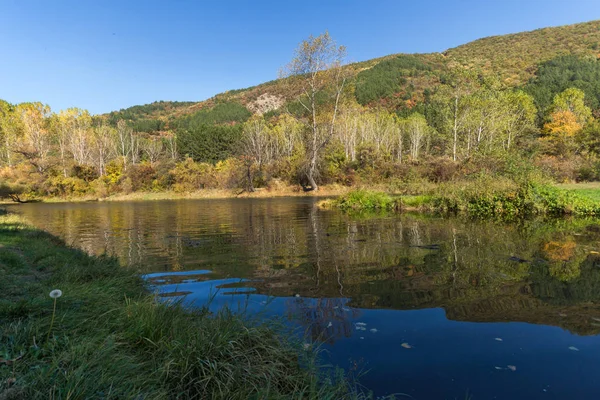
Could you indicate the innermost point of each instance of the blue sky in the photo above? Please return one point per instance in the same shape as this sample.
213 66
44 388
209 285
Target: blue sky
106 55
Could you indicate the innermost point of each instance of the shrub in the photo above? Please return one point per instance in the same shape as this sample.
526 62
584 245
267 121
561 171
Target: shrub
142 176
188 176
84 172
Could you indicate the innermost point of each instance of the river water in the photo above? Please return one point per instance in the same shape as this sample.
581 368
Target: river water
430 307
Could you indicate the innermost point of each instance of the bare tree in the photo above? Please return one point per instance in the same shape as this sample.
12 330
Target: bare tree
103 143
318 66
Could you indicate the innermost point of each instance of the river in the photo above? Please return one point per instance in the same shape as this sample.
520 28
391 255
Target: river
430 307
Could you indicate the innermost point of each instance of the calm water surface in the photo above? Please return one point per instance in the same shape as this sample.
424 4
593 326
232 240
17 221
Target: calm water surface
434 308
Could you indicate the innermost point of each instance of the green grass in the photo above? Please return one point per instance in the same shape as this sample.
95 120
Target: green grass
111 339
587 189
365 200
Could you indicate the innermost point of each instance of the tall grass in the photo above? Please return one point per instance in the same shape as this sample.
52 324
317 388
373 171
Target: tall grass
112 340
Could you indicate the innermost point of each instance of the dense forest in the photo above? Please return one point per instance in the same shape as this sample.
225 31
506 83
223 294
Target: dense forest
401 122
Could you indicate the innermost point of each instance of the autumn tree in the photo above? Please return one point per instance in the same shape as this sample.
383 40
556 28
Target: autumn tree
36 144
318 66
572 100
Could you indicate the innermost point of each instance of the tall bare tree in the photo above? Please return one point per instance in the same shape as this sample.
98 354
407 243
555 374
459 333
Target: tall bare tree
318 66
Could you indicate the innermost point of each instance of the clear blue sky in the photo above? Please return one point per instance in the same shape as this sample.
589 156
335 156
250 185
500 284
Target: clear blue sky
105 55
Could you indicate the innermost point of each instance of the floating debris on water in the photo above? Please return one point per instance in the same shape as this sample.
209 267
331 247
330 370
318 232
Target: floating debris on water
329 325
498 339
361 324
573 348
297 295
512 367
406 345
498 368
362 337
345 309
373 330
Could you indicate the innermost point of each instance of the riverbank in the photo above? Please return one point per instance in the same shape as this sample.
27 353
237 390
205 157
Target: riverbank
498 199
107 337
283 191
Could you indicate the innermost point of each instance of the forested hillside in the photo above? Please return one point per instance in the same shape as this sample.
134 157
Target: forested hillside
402 121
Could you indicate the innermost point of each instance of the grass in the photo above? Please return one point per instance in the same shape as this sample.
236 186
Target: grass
587 189
363 200
111 339
484 197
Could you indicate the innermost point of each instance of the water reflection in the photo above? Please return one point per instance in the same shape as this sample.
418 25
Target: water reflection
368 286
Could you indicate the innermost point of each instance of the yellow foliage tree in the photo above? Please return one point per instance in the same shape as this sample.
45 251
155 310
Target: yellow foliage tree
561 130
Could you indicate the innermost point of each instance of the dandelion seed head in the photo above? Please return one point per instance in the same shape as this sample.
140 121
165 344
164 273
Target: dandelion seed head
56 293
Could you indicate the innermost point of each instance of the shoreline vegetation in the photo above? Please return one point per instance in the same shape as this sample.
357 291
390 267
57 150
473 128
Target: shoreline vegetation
110 338
507 200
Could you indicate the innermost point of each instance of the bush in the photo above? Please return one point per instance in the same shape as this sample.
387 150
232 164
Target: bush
142 176
189 176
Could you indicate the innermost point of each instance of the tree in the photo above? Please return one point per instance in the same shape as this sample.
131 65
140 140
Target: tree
318 66
561 130
103 146
417 128
70 128
519 113
257 145
36 142
572 100
8 130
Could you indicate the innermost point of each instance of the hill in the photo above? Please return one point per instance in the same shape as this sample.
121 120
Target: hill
395 81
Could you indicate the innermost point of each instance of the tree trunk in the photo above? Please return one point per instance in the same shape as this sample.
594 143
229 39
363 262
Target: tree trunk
249 178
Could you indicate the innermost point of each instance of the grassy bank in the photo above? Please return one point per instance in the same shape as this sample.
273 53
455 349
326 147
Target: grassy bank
110 339
481 199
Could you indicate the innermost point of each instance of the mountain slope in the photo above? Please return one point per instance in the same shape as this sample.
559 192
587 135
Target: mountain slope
402 80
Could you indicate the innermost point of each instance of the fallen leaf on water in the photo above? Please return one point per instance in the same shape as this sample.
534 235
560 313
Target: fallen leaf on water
573 348
512 367
498 339
406 346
